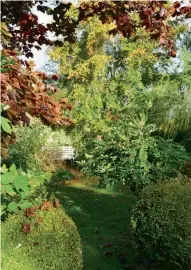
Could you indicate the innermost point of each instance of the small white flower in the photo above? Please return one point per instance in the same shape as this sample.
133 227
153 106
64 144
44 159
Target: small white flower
19 245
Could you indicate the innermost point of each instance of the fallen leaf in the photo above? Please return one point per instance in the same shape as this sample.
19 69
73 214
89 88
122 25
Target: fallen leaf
26 228
46 205
30 212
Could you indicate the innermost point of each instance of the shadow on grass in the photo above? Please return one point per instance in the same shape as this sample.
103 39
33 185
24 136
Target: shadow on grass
103 221
103 218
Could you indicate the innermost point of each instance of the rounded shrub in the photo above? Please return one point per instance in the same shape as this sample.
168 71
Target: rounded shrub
44 240
162 223
60 176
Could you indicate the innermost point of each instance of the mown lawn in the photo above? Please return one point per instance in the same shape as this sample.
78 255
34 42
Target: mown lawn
103 221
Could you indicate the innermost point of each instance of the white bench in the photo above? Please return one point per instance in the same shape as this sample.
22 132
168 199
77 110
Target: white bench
60 152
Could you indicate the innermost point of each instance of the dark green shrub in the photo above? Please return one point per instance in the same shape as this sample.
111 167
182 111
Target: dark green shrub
136 162
64 175
15 188
61 175
162 222
52 242
20 190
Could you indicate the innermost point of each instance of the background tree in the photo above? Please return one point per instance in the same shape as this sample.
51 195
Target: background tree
28 33
128 108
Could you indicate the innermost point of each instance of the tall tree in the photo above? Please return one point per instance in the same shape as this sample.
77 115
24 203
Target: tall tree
153 15
29 33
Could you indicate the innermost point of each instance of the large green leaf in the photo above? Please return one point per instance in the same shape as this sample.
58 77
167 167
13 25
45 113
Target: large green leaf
4 169
5 125
26 189
12 207
25 205
21 182
7 178
13 169
23 195
8 189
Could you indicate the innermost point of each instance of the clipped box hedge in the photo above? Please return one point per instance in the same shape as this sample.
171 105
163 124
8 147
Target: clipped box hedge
162 223
51 242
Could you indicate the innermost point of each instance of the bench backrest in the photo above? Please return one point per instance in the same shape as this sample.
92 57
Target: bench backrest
60 153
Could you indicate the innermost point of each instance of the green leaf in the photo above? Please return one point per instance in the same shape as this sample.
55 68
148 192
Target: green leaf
8 189
21 182
4 169
26 189
5 125
23 195
13 169
25 205
12 207
7 178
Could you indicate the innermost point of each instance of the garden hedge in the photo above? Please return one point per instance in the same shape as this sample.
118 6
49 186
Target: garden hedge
162 223
51 242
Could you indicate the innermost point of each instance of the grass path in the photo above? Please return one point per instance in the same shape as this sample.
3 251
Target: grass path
103 221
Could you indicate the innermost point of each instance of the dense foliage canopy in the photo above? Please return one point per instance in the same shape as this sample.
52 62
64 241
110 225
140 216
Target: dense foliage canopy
27 32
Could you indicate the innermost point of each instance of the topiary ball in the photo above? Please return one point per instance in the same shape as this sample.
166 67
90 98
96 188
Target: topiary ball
45 240
162 223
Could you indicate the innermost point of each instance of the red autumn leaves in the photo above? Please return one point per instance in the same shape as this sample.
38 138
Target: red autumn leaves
152 14
25 91
26 94
29 33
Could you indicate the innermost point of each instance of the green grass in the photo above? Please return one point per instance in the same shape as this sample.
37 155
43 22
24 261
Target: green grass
103 221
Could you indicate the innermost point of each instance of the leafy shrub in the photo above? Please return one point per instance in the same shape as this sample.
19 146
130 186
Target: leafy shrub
135 162
6 130
20 190
166 158
15 189
48 240
162 222
64 175
38 183
61 175
30 140
27 152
